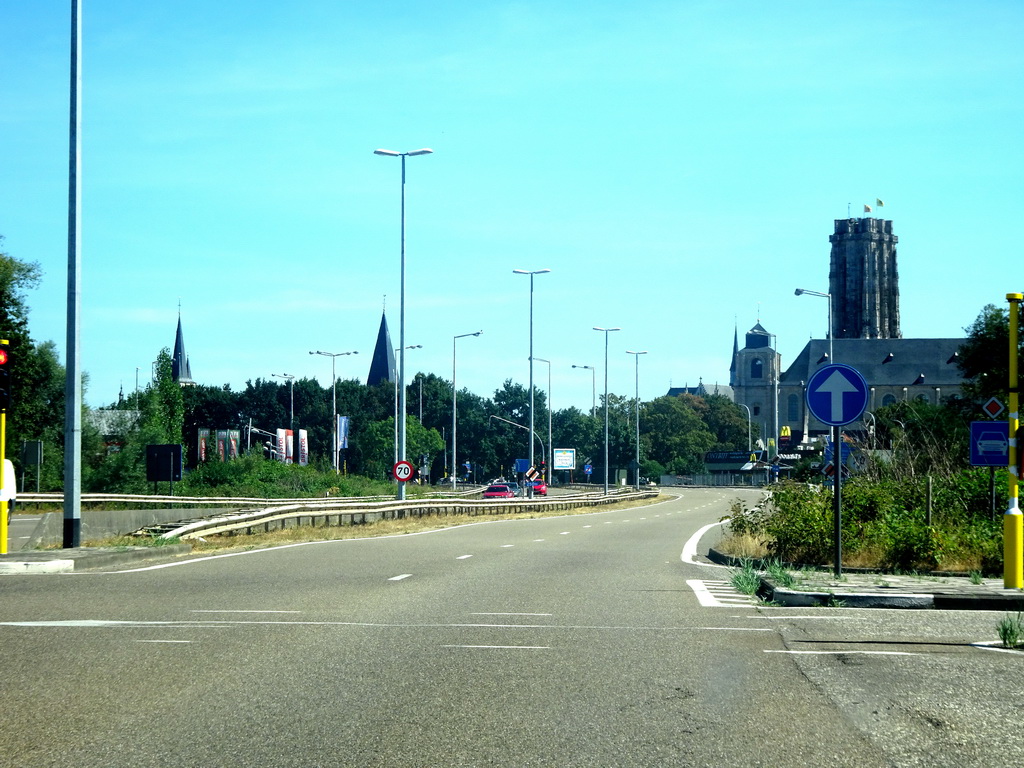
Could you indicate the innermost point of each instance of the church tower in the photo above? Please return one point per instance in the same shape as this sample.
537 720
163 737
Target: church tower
863 280
382 366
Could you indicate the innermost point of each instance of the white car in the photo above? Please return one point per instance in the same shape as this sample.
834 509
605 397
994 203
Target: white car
10 489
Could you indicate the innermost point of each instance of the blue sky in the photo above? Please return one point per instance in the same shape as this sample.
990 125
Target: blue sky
676 165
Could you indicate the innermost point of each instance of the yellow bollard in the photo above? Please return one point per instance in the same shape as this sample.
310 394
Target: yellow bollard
1013 520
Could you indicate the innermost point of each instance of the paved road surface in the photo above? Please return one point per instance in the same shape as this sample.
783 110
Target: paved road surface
578 641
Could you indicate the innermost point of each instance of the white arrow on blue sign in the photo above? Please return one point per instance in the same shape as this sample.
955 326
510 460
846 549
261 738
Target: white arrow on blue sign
837 394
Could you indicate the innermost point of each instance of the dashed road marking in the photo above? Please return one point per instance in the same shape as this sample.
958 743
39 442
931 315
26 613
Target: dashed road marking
400 577
718 593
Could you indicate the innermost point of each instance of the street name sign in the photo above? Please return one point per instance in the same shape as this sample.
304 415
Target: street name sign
837 394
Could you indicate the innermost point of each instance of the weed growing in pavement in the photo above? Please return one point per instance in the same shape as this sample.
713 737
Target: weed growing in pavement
976 577
745 579
834 602
1011 630
780 574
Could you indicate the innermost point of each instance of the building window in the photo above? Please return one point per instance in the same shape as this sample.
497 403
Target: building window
757 368
793 408
888 400
757 410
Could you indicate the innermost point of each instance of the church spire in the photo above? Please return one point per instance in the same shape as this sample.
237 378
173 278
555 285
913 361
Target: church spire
181 371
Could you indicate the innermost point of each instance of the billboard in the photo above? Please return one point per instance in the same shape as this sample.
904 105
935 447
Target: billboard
564 458
303 448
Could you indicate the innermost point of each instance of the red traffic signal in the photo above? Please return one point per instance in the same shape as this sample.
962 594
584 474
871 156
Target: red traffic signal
3 356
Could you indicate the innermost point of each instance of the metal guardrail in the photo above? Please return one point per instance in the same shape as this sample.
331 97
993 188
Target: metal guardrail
348 511
57 498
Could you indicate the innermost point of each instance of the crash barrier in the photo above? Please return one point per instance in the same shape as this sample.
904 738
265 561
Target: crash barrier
338 512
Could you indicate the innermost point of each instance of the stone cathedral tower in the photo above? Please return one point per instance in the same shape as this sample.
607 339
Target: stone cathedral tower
863 280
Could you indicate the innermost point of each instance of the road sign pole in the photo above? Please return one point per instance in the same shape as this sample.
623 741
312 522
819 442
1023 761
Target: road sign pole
1013 520
837 502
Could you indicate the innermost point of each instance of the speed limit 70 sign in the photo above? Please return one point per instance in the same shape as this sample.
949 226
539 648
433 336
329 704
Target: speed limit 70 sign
402 471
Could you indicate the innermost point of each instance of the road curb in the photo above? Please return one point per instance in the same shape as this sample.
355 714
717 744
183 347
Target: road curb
16 567
84 558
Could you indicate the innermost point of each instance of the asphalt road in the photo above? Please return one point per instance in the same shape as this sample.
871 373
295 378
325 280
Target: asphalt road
587 640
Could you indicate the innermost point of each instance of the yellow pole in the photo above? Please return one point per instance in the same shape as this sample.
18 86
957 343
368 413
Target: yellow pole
3 504
1013 520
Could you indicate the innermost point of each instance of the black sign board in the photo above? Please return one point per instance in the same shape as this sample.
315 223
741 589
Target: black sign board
163 462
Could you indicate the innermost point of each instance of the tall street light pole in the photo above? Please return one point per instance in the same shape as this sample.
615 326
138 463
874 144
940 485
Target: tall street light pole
636 359
334 400
400 433
803 291
606 331
400 453
291 397
531 273
747 407
593 388
551 445
455 395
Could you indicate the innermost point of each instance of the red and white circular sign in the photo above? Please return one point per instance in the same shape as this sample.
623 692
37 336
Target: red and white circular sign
402 471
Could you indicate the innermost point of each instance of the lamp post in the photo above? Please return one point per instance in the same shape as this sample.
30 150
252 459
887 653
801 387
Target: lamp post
400 431
747 407
291 396
774 369
334 400
455 395
593 388
551 445
636 358
801 292
531 273
606 331
400 440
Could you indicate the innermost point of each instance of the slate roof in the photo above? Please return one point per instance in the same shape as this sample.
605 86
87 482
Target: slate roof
382 366
884 362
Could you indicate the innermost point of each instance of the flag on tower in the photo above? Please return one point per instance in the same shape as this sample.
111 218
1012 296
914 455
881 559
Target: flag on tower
867 208
878 202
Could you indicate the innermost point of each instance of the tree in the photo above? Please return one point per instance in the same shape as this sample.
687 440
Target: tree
983 358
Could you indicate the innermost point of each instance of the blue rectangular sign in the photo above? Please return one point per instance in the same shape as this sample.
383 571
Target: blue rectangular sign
990 444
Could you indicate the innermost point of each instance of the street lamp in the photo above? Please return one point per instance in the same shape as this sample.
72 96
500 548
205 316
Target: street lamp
593 388
400 431
531 273
747 407
400 440
551 445
291 397
606 331
801 292
636 358
455 394
334 400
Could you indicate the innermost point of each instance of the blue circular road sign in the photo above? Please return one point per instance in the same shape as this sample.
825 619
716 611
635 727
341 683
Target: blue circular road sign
837 395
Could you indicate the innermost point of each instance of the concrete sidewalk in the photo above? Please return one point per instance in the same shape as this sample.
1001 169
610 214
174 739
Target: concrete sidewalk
882 590
83 558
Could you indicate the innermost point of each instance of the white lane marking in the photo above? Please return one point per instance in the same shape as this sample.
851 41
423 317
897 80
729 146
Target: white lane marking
787 617
214 623
463 557
690 548
214 610
507 546
564 533
719 594
504 647
511 614
537 540
400 577
588 526
847 653
163 641
989 645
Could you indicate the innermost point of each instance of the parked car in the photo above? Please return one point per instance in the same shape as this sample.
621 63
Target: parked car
540 488
499 492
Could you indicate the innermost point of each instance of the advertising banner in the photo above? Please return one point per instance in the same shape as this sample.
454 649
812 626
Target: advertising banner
202 444
342 432
234 438
303 448
281 445
222 444
564 458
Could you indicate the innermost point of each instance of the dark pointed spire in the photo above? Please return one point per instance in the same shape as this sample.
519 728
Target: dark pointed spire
181 372
382 366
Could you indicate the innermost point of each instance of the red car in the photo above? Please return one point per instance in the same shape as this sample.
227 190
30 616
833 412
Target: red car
499 492
540 488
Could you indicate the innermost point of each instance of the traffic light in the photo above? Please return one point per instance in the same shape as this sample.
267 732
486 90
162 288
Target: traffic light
5 375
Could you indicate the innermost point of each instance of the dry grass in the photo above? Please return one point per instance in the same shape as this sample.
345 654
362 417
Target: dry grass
743 545
379 528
